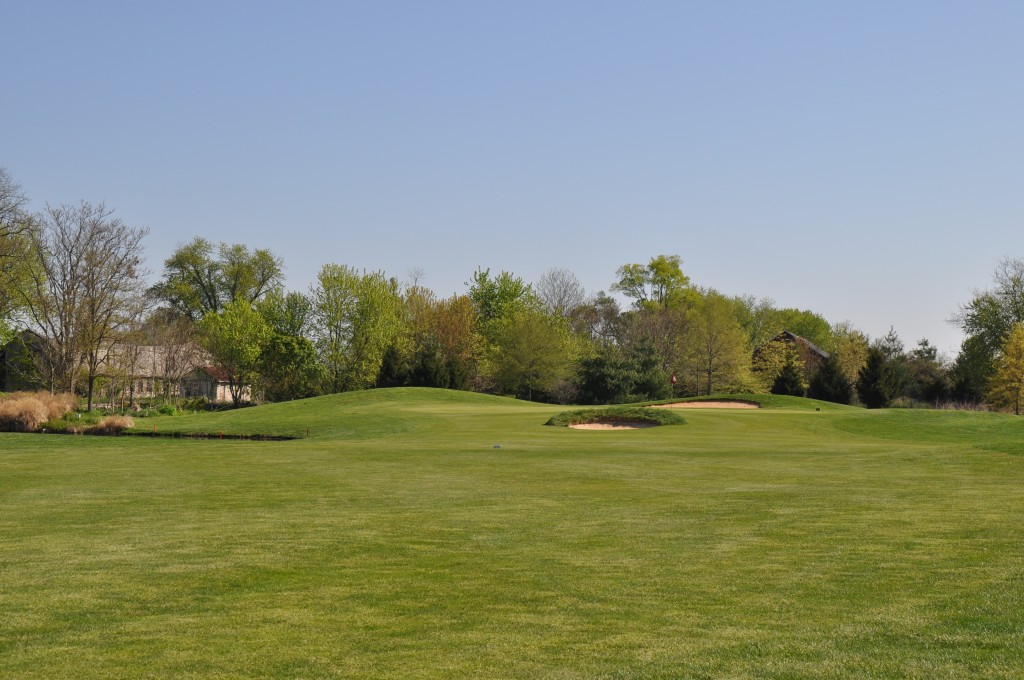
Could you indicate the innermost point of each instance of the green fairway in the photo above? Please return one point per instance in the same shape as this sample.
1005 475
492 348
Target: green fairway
396 539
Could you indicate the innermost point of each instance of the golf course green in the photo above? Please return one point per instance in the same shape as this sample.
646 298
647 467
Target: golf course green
413 532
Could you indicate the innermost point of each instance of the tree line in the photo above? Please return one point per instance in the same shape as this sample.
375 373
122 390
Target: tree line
73 276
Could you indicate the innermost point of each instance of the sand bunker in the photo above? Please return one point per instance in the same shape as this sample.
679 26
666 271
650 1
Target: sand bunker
617 425
710 404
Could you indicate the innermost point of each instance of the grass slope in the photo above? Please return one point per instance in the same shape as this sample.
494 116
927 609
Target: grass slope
352 415
395 541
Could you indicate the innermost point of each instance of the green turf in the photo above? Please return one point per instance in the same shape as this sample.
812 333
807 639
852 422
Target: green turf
397 541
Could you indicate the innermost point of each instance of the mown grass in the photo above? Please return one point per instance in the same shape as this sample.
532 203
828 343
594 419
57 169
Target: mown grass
396 541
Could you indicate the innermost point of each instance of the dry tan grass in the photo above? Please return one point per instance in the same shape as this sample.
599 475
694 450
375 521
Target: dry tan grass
21 415
57 405
27 411
112 425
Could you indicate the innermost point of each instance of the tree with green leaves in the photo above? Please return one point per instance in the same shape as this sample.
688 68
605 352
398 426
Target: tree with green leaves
1006 387
850 348
288 364
437 345
501 296
236 337
288 368
768 361
758 319
288 313
986 321
659 284
718 348
992 313
357 318
807 324
200 278
531 353
458 340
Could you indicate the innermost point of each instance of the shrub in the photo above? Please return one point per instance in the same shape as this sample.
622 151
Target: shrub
617 414
112 425
193 404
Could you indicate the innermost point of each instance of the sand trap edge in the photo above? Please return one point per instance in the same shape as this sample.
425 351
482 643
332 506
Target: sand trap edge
712 403
617 425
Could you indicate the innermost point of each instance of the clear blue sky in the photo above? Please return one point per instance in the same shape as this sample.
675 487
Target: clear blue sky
863 160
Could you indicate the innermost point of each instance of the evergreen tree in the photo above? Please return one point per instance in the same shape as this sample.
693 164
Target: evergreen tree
790 381
831 384
647 377
877 383
393 372
430 370
971 371
603 378
612 376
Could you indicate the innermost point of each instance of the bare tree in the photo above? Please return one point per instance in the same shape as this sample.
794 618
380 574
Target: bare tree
176 344
112 283
125 363
415 277
12 204
85 276
599 318
560 291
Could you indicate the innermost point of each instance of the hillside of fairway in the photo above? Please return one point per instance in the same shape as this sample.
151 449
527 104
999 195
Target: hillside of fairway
395 540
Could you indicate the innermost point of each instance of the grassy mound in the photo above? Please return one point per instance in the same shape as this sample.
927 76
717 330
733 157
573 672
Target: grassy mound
616 414
350 415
